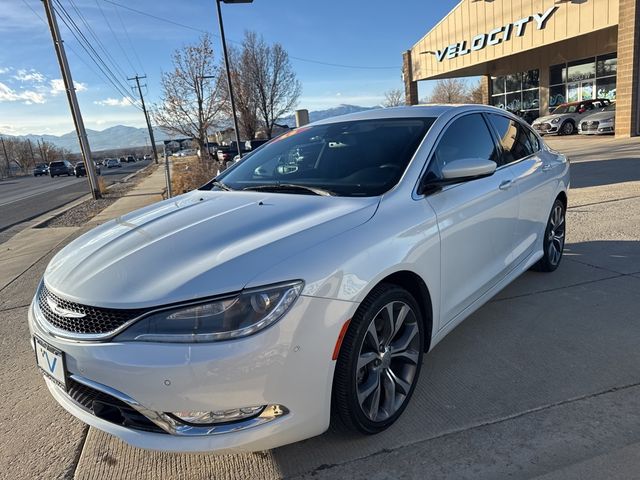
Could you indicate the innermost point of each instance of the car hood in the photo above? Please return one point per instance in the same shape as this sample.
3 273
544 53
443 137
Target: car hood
197 245
548 118
600 116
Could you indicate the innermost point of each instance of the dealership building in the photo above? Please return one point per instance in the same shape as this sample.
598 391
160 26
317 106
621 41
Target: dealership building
533 55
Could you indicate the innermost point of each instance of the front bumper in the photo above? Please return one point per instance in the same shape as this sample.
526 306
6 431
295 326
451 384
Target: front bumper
596 128
546 128
287 365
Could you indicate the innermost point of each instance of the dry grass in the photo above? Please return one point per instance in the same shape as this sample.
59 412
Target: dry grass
102 186
189 173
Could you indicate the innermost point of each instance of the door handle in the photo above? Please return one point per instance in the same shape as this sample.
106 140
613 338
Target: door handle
505 185
546 167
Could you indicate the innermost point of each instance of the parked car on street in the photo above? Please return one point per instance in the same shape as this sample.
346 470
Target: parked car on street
600 123
302 286
131 159
113 163
566 117
41 169
62 167
80 171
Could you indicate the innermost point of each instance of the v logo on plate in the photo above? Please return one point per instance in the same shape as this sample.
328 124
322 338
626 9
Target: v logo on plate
52 366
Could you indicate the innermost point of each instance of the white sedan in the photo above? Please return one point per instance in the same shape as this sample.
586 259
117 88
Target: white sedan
303 285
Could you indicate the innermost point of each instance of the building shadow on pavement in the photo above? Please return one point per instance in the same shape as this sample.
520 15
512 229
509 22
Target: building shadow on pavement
605 172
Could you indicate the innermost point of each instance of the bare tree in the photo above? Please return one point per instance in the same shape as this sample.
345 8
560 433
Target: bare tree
193 97
272 79
393 98
244 94
450 90
475 93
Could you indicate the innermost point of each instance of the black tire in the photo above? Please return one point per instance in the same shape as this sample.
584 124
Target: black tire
346 409
567 128
550 261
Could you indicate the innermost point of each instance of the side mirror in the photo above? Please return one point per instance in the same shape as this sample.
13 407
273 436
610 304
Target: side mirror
457 171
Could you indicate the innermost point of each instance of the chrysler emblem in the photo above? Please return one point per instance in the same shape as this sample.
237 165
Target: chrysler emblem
63 312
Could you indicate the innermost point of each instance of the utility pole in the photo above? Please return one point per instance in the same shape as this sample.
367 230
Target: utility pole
6 157
73 100
33 158
146 117
42 155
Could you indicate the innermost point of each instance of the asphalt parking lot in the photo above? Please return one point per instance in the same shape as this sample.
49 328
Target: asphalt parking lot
542 382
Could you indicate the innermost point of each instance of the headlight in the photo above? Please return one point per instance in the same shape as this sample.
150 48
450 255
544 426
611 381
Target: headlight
555 120
221 319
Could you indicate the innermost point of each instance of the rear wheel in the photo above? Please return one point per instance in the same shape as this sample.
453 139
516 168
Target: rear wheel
379 362
554 238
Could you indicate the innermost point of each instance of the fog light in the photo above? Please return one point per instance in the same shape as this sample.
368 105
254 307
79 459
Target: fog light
218 416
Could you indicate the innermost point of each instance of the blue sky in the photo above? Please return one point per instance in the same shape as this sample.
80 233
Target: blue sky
359 33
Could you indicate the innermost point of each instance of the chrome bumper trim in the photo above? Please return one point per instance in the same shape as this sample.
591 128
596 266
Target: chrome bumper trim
172 426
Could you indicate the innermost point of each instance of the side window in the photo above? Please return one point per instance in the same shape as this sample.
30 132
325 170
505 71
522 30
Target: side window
466 137
514 138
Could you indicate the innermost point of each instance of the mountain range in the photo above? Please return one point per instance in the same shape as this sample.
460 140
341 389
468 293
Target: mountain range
122 136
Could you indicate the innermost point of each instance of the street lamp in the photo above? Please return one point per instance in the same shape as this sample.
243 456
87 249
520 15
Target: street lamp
226 64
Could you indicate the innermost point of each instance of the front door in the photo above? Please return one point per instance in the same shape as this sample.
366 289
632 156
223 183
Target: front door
477 219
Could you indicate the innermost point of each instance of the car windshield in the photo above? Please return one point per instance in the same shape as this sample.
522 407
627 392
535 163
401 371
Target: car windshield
566 108
41 165
351 158
57 164
609 108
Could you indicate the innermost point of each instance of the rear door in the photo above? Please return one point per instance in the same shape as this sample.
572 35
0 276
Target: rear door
523 156
477 219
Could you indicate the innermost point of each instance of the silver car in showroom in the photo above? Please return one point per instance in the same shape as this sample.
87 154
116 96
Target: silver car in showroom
602 122
302 286
565 118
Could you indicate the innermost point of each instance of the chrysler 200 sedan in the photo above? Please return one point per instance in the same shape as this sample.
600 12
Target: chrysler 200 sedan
303 285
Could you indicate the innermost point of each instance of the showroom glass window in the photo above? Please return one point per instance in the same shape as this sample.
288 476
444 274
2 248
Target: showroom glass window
585 79
478 143
519 93
514 138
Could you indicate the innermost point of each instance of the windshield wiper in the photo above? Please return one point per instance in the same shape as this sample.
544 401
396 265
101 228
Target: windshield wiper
220 185
274 187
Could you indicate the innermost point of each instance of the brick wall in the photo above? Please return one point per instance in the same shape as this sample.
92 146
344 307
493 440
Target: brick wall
410 87
628 81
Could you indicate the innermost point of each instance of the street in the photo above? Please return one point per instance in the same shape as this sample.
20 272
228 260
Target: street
542 382
23 198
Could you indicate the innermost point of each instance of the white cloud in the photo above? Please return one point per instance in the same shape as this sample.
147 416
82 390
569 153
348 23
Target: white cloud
7 94
114 102
29 76
57 86
4 70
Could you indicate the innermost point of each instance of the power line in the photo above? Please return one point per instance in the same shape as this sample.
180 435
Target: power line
85 44
300 59
98 41
126 33
114 34
69 46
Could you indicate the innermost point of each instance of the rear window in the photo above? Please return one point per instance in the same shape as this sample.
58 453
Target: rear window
57 164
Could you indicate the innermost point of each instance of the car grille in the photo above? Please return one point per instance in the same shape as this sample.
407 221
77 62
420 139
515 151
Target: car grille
589 126
542 127
109 408
95 321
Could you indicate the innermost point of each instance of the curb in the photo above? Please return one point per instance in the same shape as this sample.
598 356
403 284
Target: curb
48 216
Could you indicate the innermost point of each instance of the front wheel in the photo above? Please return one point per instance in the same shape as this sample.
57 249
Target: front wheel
554 237
379 361
568 128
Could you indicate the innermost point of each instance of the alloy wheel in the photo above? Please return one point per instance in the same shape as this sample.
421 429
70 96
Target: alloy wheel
555 239
388 361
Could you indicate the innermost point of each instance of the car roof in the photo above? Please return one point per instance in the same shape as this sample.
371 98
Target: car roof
413 111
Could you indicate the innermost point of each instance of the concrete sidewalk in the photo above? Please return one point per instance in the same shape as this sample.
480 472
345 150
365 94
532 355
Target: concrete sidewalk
24 249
